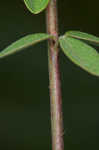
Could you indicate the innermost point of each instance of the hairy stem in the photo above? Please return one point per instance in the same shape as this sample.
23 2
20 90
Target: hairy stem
54 78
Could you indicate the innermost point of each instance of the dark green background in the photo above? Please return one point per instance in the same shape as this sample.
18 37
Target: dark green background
24 98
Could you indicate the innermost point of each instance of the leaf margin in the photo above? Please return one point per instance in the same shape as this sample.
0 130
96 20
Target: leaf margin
9 50
35 12
91 39
71 59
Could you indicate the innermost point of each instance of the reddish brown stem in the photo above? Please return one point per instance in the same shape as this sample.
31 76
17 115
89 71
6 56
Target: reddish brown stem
54 78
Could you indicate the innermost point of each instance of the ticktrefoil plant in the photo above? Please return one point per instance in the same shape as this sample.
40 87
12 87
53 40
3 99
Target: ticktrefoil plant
74 44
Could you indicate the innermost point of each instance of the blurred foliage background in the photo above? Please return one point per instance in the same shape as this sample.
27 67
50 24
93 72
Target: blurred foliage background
24 96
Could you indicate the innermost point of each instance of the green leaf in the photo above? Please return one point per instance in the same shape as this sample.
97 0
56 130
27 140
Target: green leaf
84 36
24 42
81 54
36 6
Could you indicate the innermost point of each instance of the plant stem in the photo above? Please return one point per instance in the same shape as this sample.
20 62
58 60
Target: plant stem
54 78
